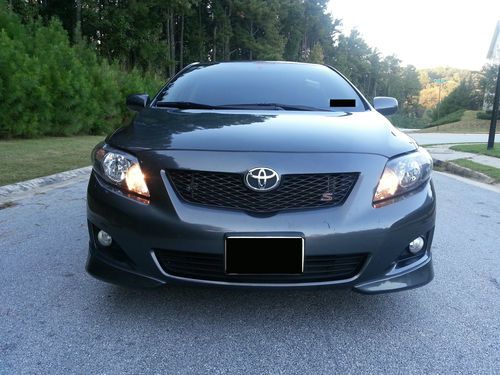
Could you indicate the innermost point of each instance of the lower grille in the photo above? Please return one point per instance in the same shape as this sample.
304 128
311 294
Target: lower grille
211 267
227 190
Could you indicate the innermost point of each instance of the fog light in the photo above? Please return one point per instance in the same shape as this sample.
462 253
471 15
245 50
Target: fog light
104 238
416 245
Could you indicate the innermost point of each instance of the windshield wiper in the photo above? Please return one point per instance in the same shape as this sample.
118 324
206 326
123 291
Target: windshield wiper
278 106
187 105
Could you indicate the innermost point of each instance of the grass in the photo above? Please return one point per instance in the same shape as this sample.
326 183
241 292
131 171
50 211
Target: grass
487 170
24 159
467 124
478 148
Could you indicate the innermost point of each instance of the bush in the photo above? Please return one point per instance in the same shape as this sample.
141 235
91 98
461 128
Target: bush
452 117
484 115
402 121
48 87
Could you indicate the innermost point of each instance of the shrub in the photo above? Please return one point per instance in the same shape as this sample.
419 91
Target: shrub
402 121
484 115
49 87
452 117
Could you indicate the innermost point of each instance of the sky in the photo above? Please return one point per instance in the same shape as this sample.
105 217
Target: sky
424 33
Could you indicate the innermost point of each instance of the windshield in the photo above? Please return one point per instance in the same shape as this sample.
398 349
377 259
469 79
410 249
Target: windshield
262 84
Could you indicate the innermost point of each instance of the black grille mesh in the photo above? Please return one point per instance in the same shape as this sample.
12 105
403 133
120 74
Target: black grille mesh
211 267
229 191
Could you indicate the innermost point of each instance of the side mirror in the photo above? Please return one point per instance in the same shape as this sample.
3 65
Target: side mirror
137 102
385 105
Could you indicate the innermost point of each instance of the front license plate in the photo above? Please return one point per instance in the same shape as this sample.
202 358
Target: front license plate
264 255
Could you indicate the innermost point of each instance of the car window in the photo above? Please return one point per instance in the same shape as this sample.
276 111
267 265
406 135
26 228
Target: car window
260 83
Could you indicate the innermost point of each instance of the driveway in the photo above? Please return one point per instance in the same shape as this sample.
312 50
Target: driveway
54 318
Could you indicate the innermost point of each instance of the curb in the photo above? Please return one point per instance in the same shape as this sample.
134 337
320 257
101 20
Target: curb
458 170
24 187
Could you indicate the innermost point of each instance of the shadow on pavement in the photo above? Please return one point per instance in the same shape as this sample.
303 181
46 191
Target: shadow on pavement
219 306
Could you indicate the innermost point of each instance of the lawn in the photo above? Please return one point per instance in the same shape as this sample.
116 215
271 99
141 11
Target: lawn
487 170
24 159
467 124
478 148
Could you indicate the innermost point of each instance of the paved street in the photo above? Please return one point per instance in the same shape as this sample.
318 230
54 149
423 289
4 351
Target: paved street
442 138
54 318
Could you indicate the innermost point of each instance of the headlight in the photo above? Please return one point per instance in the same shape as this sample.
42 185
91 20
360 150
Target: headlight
403 174
120 169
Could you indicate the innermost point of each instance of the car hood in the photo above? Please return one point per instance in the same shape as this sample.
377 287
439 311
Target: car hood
269 131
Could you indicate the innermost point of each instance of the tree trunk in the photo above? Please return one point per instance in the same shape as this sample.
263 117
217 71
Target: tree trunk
77 32
181 47
251 36
200 40
214 52
171 44
226 41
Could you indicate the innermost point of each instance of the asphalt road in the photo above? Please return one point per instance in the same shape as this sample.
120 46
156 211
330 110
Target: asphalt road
443 138
54 318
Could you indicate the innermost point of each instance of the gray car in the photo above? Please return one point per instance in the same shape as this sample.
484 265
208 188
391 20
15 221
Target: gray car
261 174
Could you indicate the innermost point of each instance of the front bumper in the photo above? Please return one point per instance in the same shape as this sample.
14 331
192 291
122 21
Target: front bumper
420 274
168 223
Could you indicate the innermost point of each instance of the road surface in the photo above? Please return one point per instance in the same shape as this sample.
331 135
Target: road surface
54 318
443 138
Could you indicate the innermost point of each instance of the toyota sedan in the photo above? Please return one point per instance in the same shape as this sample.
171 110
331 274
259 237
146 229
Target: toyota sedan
261 174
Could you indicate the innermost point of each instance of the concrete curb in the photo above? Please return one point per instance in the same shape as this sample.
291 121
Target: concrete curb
458 170
24 187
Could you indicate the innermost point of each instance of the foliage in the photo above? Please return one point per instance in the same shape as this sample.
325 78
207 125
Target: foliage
377 76
161 37
429 95
404 121
488 83
164 36
467 124
48 87
464 96
317 55
449 118
481 115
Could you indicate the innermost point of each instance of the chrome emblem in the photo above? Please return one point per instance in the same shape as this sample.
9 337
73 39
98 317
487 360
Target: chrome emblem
262 179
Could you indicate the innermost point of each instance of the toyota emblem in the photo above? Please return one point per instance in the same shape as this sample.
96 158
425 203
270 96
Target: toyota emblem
262 179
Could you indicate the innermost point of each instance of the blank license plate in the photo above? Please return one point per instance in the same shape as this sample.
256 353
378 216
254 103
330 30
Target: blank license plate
264 255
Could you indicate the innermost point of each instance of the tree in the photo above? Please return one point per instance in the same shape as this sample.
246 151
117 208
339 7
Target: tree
317 55
464 96
487 83
162 37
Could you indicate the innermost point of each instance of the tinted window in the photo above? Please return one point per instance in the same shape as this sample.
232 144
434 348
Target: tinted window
249 83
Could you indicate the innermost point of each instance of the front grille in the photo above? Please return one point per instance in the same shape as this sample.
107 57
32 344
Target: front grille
211 267
296 191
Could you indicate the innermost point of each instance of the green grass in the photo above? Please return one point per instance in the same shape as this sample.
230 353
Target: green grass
478 148
467 124
24 159
487 170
